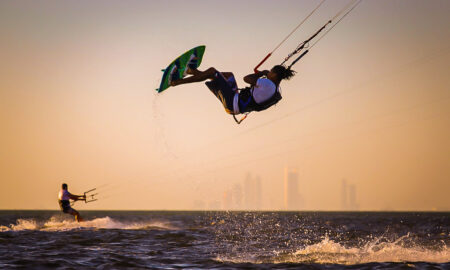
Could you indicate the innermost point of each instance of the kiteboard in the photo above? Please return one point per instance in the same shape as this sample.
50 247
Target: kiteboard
178 67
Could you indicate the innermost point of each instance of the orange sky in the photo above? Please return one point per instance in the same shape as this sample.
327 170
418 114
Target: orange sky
370 103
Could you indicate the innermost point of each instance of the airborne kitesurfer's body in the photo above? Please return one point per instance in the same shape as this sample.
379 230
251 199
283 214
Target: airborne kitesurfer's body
264 90
64 198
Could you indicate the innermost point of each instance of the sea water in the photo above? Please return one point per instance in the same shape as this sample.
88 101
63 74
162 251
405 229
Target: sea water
192 240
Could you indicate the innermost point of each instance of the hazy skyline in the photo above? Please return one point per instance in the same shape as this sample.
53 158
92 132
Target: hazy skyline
370 103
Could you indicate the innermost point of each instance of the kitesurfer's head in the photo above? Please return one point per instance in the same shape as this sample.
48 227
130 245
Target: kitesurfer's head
279 73
64 186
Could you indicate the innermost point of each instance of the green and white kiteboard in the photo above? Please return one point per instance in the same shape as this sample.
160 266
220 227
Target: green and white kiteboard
179 65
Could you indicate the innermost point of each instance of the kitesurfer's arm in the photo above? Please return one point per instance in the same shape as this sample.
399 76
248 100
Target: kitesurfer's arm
77 197
227 74
252 78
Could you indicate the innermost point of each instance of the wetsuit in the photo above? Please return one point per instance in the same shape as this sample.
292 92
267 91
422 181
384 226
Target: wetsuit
261 96
64 201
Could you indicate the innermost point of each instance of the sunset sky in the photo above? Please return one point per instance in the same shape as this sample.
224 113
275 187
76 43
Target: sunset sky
370 104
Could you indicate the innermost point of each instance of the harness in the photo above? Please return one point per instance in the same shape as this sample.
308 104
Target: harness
64 205
247 102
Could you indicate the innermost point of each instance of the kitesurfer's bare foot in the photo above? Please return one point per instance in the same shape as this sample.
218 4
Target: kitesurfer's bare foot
189 71
175 82
78 218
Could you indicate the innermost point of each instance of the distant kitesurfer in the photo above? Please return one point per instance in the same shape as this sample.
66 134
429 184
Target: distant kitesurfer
264 90
64 198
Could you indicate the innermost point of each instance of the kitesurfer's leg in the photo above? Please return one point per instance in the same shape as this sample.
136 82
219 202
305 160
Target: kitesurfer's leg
193 71
224 87
77 215
197 72
197 76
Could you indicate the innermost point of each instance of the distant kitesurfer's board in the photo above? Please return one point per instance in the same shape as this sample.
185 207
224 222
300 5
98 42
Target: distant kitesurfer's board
181 63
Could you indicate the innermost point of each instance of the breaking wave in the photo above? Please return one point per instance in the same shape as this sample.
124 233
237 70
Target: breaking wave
330 252
59 224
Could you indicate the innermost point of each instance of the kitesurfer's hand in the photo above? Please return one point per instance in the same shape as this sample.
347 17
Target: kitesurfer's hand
252 78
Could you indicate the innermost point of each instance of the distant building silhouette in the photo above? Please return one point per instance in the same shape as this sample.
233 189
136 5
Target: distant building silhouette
292 198
348 197
227 200
344 203
352 198
252 192
237 196
258 193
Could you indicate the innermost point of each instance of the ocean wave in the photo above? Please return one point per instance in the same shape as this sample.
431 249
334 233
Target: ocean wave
21 225
56 223
330 252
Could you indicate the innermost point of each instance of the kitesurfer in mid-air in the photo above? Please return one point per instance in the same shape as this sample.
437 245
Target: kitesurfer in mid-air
264 90
64 198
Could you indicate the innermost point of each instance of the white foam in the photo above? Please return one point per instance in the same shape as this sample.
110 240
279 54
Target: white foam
21 224
57 223
329 252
